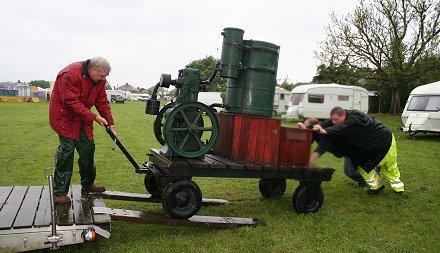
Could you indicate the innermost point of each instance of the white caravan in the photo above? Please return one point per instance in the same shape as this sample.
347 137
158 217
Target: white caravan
422 110
281 100
209 98
317 100
125 94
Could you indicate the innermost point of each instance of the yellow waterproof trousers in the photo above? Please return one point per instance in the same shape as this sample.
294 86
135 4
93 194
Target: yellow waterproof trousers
388 168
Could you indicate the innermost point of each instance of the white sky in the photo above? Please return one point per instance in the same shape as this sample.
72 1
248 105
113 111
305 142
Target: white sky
142 39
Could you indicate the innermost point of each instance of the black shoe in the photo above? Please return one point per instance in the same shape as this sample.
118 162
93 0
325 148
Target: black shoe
378 168
401 193
374 192
362 184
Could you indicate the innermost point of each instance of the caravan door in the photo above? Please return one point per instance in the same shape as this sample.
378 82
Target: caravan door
357 99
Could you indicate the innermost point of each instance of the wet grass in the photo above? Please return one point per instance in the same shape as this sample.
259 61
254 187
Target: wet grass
349 221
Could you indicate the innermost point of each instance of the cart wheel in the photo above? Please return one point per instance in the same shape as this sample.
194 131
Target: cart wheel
182 199
272 188
307 199
155 185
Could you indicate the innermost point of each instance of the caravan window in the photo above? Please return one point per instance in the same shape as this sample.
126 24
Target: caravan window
281 96
296 98
343 98
424 103
319 99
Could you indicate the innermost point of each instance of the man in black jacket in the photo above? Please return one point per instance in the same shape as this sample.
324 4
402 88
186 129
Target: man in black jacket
368 143
329 144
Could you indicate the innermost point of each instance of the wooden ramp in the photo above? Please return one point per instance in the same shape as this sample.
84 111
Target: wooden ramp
25 217
29 206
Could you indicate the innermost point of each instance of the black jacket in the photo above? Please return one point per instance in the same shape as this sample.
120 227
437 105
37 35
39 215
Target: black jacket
365 140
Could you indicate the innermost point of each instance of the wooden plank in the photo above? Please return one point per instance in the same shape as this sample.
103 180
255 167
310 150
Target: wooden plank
95 200
81 211
27 212
244 138
43 215
195 221
64 212
231 165
197 163
235 133
12 206
260 138
4 194
252 142
272 142
140 197
213 164
250 166
178 162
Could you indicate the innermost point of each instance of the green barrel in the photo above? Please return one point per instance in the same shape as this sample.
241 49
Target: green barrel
231 52
260 74
235 87
253 92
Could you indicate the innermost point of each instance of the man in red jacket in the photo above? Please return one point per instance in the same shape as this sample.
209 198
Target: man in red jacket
78 87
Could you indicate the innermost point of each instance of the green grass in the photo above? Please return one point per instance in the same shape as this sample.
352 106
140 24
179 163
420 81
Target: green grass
349 221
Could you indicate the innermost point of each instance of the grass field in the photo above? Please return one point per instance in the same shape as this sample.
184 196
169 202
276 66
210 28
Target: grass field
349 221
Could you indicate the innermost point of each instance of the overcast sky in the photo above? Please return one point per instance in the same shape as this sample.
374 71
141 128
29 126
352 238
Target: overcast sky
142 39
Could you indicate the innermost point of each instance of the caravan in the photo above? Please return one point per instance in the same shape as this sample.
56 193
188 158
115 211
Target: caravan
112 94
317 100
422 110
281 100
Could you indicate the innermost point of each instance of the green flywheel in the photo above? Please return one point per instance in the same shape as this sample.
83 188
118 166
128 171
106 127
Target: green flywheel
184 133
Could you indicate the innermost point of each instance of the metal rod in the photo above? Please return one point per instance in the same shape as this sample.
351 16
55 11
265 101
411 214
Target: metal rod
119 144
53 214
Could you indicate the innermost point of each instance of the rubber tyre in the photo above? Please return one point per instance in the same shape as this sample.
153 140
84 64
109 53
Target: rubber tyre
182 199
272 188
155 185
307 200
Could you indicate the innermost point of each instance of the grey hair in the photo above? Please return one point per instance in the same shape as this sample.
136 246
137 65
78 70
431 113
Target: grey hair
100 63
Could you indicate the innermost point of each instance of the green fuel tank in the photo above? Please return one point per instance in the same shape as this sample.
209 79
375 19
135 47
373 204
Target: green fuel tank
231 52
253 91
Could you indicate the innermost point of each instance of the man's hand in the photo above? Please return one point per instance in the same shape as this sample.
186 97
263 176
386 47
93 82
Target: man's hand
101 120
319 129
113 129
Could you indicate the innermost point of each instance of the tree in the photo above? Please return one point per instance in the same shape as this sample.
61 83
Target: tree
206 66
286 84
388 36
40 83
340 74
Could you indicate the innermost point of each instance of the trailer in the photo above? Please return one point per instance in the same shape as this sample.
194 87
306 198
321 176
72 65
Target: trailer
281 100
239 140
422 110
316 100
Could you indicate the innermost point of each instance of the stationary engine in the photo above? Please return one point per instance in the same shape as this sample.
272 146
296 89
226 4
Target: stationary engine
189 128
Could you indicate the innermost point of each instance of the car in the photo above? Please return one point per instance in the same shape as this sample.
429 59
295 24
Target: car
117 99
143 98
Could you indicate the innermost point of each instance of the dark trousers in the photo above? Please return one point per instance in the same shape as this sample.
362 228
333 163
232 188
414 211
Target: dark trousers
64 166
351 171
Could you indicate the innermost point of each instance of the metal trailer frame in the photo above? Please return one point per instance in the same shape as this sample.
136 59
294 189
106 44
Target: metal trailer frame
169 179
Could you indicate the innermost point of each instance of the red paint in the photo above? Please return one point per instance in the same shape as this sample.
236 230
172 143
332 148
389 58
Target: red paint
294 146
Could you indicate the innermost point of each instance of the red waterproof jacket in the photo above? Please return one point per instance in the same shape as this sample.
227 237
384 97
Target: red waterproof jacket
73 94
